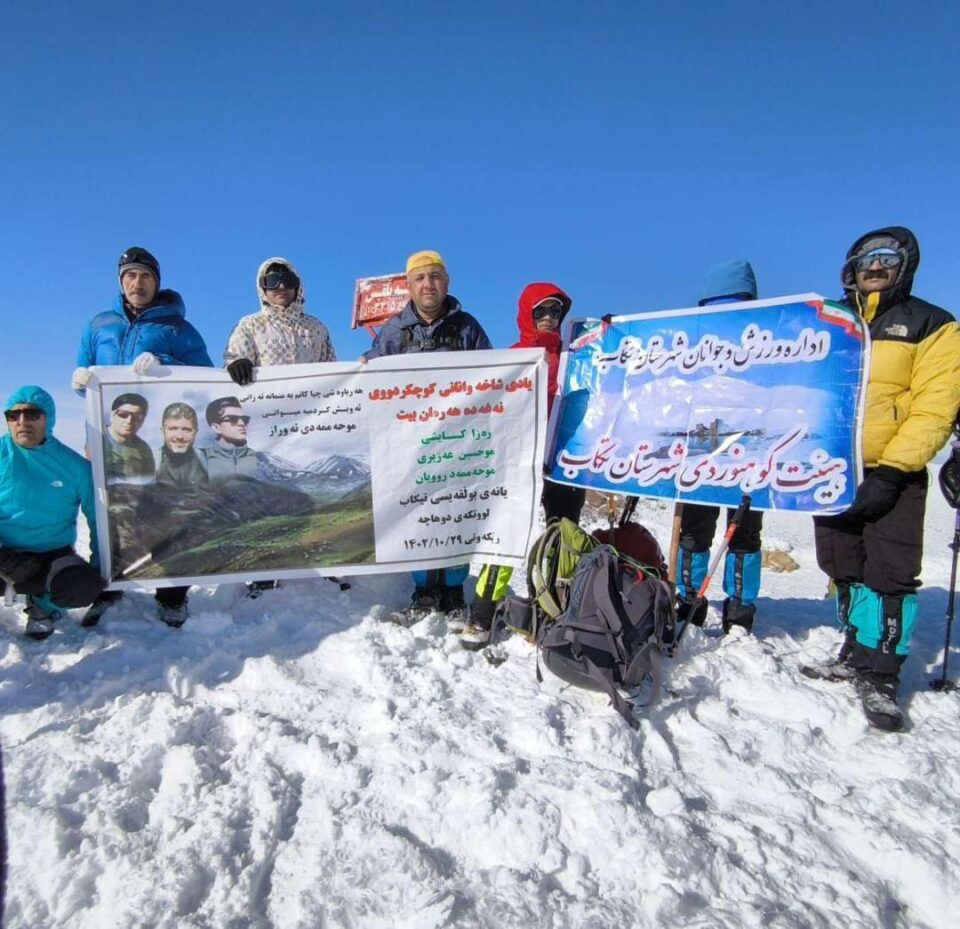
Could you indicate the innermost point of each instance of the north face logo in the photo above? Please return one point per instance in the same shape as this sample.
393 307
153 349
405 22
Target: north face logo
898 330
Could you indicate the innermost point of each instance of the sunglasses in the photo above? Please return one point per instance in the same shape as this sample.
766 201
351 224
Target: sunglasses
31 416
128 414
235 420
888 258
274 279
542 312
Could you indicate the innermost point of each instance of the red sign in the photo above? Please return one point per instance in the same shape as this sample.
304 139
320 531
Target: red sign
376 299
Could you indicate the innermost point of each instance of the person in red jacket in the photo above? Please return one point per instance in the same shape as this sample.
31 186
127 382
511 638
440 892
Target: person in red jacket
541 311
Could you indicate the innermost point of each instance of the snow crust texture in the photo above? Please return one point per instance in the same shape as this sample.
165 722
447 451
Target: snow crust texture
295 761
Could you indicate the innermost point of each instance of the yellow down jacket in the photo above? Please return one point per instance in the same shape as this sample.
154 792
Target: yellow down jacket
913 387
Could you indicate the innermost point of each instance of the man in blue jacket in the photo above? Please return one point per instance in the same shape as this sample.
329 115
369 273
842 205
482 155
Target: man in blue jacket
432 321
146 326
727 282
42 485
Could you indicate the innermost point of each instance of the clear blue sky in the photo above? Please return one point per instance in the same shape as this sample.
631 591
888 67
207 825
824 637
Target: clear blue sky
617 148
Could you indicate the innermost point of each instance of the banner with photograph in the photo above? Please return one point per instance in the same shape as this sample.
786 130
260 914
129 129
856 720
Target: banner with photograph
404 463
707 404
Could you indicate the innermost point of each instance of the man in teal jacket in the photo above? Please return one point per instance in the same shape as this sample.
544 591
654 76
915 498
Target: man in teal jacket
42 485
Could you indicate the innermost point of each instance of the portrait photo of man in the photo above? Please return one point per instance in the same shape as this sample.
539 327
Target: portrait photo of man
126 456
231 456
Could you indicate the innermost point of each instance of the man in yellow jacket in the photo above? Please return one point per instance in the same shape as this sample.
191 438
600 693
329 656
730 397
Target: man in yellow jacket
873 550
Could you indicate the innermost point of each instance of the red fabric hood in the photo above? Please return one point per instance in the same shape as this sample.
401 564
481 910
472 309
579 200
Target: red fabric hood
530 338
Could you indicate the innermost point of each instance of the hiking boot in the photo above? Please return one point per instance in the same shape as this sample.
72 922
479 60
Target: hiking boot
99 606
836 669
256 589
878 694
425 602
453 604
39 620
692 610
738 613
173 615
478 630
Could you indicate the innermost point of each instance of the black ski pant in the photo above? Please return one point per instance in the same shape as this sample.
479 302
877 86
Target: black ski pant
876 567
61 577
698 525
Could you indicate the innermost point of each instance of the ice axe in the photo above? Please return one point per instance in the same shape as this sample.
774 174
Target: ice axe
689 607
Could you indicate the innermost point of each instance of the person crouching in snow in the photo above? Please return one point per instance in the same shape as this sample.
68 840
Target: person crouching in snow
727 282
43 484
872 551
280 333
542 308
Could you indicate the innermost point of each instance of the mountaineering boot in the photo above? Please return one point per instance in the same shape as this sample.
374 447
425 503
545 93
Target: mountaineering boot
738 613
692 609
39 620
476 634
878 694
100 606
453 604
173 615
836 669
426 600
256 589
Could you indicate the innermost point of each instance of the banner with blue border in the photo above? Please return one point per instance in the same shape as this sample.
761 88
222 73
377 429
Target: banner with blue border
762 398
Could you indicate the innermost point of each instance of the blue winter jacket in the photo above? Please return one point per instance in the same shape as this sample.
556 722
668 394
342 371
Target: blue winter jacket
406 332
163 330
729 279
41 488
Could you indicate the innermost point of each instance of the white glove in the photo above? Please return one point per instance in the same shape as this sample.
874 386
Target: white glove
80 378
144 362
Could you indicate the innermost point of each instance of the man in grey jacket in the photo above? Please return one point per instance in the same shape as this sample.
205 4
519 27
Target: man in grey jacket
231 456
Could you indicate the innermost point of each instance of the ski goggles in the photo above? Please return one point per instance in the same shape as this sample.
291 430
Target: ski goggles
553 310
236 420
273 279
888 258
31 415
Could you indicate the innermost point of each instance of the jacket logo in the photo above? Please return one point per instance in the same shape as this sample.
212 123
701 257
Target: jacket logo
897 329
56 483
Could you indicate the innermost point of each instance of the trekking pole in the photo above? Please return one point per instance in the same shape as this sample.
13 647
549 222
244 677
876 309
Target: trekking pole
941 683
689 608
629 508
612 518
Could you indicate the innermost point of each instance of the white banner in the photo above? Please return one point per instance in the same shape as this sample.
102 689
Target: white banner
404 463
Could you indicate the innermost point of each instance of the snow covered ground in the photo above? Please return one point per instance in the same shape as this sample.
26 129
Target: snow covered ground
296 761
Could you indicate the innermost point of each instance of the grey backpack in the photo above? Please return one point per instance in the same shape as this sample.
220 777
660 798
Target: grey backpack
618 623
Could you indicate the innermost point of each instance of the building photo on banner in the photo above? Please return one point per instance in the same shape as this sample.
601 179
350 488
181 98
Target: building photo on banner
762 398
316 469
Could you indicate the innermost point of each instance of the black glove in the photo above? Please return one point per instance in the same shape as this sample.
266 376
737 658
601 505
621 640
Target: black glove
950 479
878 494
27 570
241 371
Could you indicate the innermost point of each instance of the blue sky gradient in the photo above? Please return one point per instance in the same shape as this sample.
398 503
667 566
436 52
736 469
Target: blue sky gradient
616 148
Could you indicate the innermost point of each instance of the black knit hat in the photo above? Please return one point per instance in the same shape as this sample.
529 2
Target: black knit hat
136 257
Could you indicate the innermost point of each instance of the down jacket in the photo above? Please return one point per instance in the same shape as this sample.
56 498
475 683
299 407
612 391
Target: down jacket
279 335
42 488
162 329
913 388
406 332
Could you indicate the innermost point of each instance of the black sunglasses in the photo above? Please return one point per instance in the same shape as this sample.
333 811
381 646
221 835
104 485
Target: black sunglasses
128 414
273 279
235 420
30 415
542 312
